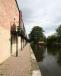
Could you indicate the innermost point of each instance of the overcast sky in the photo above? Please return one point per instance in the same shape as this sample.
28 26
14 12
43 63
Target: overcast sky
44 13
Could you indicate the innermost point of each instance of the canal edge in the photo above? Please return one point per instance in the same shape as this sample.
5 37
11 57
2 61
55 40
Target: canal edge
34 66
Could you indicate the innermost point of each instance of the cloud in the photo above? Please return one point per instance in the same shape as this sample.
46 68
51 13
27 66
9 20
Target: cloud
45 13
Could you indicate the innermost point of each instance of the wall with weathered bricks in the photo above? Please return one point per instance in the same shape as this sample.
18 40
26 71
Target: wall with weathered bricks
8 12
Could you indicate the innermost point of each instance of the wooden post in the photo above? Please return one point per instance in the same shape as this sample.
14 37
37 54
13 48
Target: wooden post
11 44
24 42
16 46
21 43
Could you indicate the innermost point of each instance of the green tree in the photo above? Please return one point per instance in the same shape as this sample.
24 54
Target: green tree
36 34
58 30
52 40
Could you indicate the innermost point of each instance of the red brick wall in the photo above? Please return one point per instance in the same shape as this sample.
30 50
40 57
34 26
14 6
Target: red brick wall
8 11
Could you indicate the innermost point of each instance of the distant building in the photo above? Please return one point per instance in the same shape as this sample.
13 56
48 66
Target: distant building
9 15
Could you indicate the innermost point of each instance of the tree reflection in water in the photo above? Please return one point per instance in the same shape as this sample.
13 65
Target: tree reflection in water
38 51
52 50
49 60
59 57
55 51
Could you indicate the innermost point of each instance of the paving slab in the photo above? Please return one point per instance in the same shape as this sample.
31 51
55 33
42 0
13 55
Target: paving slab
17 66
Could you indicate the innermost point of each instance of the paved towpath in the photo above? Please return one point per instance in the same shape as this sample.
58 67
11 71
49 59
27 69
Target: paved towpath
17 66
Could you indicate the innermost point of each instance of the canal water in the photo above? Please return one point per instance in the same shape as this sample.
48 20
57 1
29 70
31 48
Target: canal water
49 60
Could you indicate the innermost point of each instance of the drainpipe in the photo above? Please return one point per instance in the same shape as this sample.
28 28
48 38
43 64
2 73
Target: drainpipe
20 26
19 18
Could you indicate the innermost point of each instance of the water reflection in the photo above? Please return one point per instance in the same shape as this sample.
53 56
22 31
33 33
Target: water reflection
38 51
59 57
49 59
51 64
55 51
52 50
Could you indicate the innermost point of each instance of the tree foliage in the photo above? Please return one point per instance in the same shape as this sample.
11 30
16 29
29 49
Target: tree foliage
58 30
51 40
36 34
55 39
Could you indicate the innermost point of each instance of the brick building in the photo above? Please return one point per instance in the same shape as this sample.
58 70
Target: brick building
9 14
